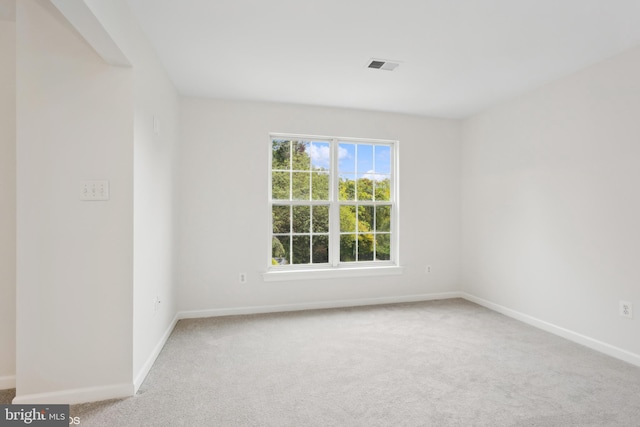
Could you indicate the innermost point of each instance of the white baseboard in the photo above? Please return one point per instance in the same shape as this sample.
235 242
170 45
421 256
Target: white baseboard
216 312
79 395
589 342
144 371
584 340
91 394
7 382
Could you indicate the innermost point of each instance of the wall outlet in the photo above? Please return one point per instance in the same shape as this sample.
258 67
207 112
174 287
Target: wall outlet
626 309
243 277
156 304
427 269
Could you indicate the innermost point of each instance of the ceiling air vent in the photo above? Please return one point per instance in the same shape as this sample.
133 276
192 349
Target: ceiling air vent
382 64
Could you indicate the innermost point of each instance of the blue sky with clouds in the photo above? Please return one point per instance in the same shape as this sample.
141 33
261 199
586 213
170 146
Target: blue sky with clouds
368 160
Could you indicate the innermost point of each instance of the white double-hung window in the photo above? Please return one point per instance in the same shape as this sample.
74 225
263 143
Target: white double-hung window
333 206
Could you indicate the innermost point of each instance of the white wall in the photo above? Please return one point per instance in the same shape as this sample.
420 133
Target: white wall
74 258
7 203
224 217
154 159
155 154
102 263
551 205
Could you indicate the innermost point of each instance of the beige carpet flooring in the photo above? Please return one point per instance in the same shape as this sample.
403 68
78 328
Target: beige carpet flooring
6 396
437 363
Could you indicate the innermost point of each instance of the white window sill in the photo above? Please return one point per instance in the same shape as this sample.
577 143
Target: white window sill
331 273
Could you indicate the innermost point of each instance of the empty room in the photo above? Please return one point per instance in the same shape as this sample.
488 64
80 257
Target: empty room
320 213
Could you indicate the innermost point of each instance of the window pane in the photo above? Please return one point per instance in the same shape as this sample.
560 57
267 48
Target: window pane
347 219
383 247
365 189
348 247
347 187
280 250
301 219
280 155
301 159
365 158
304 191
301 182
347 158
365 247
281 219
365 218
383 188
301 250
320 156
383 218
320 249
320 219
383 159
280 185
320 185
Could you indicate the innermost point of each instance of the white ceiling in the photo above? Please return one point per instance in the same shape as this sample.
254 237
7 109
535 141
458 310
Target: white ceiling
458 56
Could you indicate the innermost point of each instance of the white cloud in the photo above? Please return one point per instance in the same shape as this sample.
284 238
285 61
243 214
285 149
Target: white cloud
375 176
320 154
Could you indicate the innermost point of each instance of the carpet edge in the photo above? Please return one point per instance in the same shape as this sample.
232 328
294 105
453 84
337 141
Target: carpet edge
584 340
216 312
148 364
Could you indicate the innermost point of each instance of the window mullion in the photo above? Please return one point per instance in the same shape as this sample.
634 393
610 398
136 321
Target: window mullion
394 226
310 229
334 209
374 226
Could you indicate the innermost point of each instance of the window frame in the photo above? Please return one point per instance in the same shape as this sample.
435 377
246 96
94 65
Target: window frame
336 268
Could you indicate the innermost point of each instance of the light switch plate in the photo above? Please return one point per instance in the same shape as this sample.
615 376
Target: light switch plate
94 190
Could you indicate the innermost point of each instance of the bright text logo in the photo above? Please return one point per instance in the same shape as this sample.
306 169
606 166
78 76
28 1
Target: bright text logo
34 415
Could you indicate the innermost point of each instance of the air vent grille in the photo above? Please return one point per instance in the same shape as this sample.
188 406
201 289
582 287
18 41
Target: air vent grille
382 64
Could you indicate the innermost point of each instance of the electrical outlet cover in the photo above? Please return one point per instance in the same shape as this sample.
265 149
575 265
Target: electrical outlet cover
626 309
